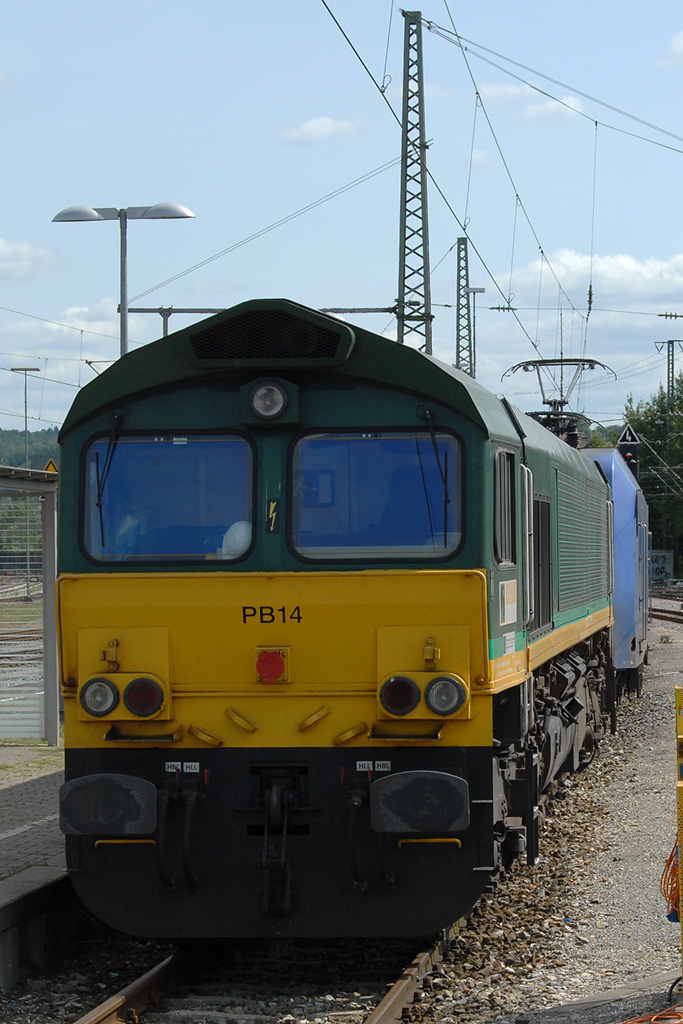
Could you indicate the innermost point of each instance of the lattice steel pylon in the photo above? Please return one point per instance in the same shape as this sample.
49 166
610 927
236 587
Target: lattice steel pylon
414 304
464 341
670 369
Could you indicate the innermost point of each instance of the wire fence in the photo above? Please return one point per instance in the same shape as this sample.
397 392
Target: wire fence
21 618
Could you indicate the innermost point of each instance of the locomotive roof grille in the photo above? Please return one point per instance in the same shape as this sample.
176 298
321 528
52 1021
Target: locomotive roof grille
273 336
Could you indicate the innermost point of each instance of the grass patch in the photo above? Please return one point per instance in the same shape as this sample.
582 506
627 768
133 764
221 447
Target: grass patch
21 613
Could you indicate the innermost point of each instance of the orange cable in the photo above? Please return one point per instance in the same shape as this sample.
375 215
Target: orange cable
668 885
670 1015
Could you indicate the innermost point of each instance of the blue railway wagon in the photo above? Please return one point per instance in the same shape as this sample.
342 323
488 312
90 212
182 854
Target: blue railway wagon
631 585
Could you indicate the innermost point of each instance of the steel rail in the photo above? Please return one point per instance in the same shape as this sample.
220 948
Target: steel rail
125 1005
390 1007
667 614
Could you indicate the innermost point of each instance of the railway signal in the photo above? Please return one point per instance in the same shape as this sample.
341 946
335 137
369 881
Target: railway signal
627 446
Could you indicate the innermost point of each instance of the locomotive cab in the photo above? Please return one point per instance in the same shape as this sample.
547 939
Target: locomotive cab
331 617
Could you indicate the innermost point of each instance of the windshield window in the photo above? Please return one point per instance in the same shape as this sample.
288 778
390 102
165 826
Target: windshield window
376 495
168 498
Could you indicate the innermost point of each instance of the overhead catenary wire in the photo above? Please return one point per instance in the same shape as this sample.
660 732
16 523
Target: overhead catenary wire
540 287
446 34
518 205
382 89
318 202
459 40
472 46
36 376
512 250
477 104
386 79
304 209
431 177
56 323
271 227
509 174
383 85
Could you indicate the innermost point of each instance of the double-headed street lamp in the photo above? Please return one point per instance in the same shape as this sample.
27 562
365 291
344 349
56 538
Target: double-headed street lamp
162 211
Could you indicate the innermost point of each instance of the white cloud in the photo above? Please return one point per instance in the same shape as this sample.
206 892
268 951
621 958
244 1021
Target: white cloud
674 55
566 106
633 283
320 128
505 92
510 92
623 331
434 91
21 261
100 318
630 296
227 288
61 354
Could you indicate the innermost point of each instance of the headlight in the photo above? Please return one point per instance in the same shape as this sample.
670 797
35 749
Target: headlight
268 400
445 696
399 695
143 697
99 697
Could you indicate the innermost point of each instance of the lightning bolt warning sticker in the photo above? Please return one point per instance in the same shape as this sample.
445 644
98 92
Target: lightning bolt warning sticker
273 515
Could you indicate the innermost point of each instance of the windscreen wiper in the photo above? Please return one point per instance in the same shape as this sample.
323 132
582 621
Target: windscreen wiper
102 472
443 473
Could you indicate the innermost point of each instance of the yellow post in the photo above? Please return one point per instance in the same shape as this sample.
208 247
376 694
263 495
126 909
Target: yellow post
679 792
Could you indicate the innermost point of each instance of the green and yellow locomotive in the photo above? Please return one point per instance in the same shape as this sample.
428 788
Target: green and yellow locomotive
331 617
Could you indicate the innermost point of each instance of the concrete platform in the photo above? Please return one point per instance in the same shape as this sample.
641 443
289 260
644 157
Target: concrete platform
31 844
32 862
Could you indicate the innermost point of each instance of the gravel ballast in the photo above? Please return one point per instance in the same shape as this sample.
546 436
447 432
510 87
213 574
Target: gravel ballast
589 917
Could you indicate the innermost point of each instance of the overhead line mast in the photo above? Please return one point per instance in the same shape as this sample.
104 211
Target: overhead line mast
414 304
465 336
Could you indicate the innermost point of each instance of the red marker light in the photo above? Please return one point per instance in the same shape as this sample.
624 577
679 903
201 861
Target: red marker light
143 697
399 695
270 666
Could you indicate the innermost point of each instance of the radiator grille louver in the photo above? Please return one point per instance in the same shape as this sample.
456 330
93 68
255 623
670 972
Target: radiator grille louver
582 516
271 336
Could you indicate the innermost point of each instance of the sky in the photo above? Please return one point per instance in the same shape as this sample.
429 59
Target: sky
555 141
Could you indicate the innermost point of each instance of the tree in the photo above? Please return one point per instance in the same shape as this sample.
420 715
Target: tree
659 425
42 446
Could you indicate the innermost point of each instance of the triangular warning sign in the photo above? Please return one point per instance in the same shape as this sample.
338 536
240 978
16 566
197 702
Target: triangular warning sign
50 467
628 436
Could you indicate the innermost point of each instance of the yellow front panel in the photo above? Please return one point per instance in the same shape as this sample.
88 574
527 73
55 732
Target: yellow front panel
124 653
405 645
338 633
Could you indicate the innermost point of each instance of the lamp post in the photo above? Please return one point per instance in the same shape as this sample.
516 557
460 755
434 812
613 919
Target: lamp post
161 211
26 370
474 292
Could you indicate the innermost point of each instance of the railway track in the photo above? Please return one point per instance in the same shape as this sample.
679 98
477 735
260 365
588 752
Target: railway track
260 992
667 614
183 988
127 1004
536 943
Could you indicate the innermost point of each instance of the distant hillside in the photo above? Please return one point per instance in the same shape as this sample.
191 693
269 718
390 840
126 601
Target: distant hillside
42 446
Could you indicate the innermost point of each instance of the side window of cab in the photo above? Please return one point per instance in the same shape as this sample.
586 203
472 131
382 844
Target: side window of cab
504 507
